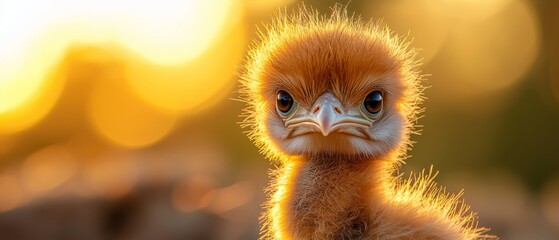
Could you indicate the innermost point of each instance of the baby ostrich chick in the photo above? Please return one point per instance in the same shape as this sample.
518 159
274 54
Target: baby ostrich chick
333 101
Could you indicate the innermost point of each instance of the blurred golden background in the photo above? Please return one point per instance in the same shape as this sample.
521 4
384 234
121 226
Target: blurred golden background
116 118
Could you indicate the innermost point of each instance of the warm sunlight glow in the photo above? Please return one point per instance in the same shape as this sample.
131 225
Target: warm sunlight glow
189 88
122 118
163 31
160 31
468 44
423 26
27 89
266 5
34 35
162 119
490 55
35 102
275 213
468 10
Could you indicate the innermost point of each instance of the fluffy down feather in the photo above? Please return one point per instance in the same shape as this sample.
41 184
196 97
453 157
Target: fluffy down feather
331 195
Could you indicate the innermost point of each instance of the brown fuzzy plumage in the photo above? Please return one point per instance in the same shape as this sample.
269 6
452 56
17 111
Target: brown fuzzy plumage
335 186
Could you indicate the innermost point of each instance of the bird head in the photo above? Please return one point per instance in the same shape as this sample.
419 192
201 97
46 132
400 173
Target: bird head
330 85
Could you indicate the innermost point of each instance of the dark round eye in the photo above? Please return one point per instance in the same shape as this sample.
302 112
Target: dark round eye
284 102
373 102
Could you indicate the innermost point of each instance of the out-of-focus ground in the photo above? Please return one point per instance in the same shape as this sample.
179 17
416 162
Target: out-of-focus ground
116 119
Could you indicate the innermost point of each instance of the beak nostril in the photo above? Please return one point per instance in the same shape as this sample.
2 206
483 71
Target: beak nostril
338 110
316 109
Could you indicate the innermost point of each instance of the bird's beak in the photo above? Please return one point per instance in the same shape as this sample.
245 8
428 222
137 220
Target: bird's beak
327 116
326 110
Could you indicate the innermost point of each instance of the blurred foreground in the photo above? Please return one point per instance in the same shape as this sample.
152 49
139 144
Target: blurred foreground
116 120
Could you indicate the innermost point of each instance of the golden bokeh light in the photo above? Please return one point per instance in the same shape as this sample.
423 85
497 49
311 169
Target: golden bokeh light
264 5
468 11
33 38
35 34
27 89
174 24
489 55
47 168
426 28
160 32
189 88
468 43
109 108
122 118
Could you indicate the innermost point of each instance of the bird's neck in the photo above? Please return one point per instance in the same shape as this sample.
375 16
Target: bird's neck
330 195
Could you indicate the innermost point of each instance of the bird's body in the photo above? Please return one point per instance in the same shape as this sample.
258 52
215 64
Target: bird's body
333 101
348 200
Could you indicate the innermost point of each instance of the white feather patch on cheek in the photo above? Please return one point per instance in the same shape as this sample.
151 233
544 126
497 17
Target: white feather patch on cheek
276 128
388 132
